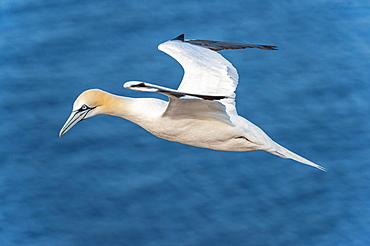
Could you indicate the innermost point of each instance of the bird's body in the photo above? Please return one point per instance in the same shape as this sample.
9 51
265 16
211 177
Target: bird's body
200 113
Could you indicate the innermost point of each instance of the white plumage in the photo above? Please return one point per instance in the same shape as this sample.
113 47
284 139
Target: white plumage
201 112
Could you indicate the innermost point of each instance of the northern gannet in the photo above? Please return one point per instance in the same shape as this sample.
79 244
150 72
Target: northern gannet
201 112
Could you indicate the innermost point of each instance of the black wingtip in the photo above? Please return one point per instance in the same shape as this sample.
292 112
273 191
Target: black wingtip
270 47
180 37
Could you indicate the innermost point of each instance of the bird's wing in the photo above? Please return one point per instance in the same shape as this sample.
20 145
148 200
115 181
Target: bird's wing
199 109
208 76
187 105
146 87
206 71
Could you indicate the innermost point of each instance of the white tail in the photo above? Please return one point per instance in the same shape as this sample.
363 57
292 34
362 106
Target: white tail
287 154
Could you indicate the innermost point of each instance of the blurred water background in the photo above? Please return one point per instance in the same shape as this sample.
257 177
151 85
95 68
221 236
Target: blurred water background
108 182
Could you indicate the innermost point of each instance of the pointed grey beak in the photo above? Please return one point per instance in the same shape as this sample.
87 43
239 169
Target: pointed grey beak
74 118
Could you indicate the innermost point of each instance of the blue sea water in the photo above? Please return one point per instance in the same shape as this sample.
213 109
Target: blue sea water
108 182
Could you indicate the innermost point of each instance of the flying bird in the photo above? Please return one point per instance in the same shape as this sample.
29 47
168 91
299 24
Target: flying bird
201 112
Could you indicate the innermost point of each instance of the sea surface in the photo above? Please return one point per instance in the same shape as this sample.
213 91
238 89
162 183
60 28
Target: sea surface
109 182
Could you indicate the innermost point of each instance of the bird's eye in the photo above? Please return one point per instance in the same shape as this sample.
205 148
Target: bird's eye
84 107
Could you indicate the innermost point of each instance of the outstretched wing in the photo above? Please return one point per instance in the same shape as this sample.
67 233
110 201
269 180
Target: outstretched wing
207 75
222 45
144 86
187 105
206 71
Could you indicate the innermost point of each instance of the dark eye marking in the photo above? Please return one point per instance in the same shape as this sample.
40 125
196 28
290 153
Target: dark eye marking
83 108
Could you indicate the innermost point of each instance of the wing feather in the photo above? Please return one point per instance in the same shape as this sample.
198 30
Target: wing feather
143 86
199 109
205 71
207 74
187 105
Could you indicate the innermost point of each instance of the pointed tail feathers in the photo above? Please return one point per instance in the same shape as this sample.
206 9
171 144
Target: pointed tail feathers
287 154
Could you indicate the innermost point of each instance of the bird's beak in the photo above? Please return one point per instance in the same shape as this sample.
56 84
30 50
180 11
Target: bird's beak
74 118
